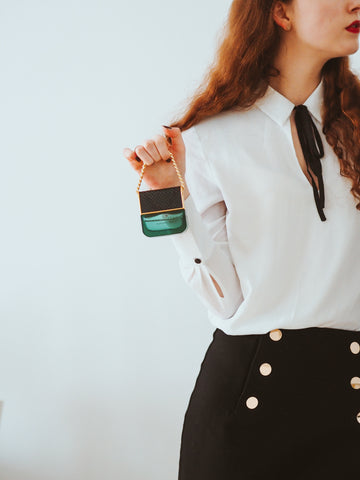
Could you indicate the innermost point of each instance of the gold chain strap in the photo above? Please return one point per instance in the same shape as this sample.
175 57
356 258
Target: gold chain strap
176 168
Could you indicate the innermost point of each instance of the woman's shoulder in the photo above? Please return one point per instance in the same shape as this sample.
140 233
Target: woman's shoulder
229 120
236 121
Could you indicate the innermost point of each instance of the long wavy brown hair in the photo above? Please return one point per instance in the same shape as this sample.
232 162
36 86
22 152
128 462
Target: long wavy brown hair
239 75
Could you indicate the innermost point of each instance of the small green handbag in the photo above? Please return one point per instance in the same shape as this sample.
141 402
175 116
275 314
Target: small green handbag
162 210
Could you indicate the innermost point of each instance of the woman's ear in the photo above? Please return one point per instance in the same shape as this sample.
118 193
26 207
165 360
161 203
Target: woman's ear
280 16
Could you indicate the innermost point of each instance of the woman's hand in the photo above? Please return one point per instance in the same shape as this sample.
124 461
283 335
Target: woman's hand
154 152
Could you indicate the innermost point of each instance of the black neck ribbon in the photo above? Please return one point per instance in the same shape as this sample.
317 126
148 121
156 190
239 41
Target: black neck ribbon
313 150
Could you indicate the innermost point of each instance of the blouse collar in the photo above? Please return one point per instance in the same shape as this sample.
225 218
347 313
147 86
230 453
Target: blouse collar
279 108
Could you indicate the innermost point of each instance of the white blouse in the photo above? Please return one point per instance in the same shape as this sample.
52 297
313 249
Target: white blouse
254 226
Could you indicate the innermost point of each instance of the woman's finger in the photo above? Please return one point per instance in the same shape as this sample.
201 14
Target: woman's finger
133 159
162 146
177 142
142 153
152 150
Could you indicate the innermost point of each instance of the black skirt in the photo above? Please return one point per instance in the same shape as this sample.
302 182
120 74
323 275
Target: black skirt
279 405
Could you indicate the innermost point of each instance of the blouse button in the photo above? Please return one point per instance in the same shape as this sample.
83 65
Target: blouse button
265 369
275 335
197 260
355 383
355 347
252 402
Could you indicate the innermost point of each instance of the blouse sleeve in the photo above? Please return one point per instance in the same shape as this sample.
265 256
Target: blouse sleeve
203 247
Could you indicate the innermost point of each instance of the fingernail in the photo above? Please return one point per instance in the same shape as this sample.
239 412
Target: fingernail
167 127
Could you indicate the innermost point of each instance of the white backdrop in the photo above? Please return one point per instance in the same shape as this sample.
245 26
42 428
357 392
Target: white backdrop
101 340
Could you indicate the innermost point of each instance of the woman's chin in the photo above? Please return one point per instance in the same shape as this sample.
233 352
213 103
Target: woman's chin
354 46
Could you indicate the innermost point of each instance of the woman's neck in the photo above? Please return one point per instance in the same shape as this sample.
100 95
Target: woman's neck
300 73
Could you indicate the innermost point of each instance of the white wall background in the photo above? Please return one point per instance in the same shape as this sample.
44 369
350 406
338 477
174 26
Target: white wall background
101 341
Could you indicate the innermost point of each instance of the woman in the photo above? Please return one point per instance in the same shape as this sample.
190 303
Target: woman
272 248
